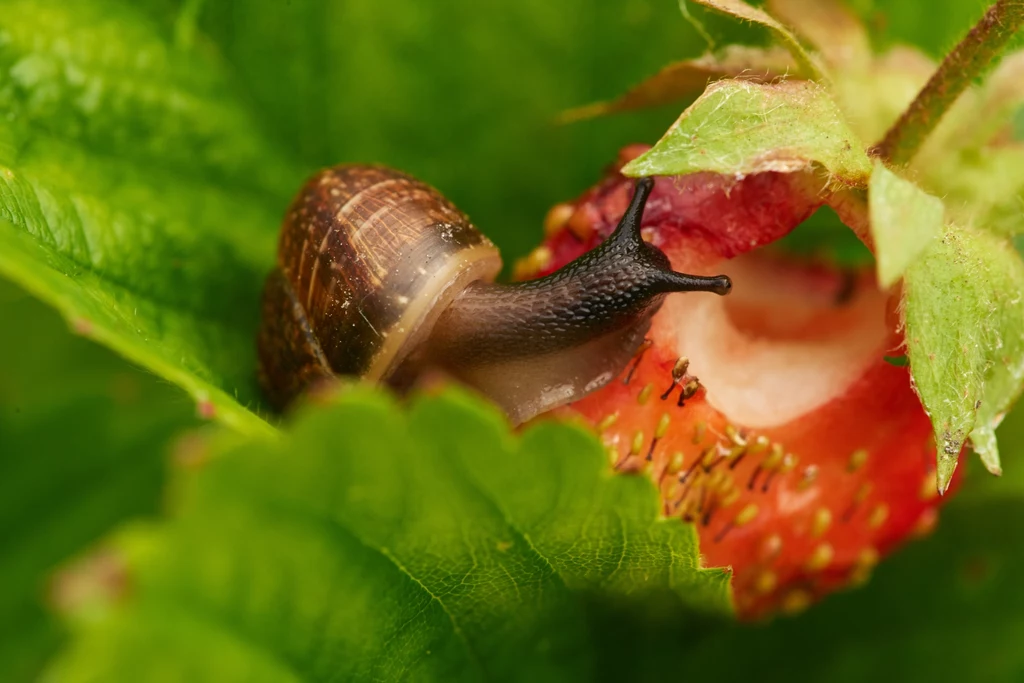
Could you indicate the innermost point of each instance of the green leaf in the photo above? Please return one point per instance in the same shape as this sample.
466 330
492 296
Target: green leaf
1006 376
964 314
740 128
741 10
904 221
82 439
371 543
136 195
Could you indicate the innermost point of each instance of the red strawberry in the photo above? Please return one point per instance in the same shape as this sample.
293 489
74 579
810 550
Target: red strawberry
801 454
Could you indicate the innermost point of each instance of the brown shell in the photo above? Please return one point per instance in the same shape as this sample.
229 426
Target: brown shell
368 259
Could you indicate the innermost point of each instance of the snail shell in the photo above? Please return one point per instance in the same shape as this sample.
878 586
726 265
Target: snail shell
369 258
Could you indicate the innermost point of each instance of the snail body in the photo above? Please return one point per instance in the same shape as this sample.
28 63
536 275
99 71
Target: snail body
379 276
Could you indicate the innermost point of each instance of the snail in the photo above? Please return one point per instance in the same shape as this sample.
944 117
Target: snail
379 276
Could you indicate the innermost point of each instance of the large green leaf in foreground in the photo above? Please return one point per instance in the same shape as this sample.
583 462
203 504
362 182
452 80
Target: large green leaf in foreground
82 442
374 544
269 572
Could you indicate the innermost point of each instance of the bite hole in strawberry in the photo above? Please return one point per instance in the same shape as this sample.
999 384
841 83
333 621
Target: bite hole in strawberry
770 419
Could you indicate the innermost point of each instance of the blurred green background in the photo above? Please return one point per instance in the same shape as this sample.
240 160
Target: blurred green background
464 95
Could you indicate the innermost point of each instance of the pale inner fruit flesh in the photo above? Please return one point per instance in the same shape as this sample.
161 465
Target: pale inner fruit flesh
787 340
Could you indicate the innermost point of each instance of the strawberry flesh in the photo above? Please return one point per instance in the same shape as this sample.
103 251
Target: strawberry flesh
801 455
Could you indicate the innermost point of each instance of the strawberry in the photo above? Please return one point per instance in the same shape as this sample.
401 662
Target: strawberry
770 419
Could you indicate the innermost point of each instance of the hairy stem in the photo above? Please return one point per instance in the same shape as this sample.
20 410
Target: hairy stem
966 62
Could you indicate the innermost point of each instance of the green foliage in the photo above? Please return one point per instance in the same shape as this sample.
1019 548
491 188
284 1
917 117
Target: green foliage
965 339
82 437
739 128
250 611
147 151
374 544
